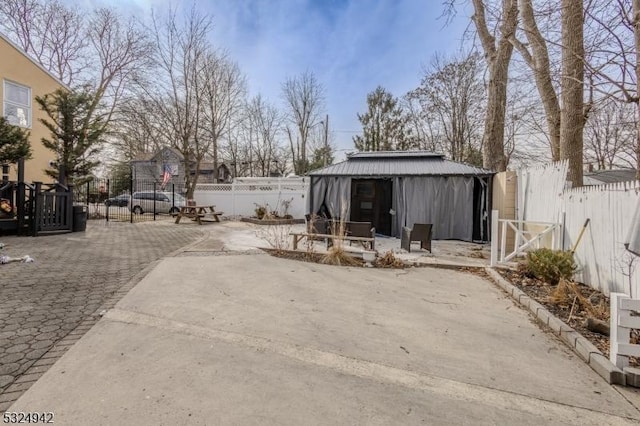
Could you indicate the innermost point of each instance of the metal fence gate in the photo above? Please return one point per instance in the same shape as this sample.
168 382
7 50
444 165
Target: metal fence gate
53 209
129 200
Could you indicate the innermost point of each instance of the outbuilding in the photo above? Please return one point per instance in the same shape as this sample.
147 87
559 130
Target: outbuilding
396 189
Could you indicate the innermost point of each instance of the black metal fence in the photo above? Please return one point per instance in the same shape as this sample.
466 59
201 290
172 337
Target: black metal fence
53 209
129 200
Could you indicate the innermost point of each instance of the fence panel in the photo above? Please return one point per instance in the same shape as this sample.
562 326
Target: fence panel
109 198
539 192
241 199
603 261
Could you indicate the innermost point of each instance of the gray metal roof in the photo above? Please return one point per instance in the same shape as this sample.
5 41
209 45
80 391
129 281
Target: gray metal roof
408 163
394 154
609 176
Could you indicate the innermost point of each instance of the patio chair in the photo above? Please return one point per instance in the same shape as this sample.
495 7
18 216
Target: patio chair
420 232
360 229
317 224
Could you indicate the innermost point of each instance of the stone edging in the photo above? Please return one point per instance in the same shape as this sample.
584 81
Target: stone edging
578 343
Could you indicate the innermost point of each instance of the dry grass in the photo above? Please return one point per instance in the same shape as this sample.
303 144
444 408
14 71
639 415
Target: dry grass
337 255
388 260
567 293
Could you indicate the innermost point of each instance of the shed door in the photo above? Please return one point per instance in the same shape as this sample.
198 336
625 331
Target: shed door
371 202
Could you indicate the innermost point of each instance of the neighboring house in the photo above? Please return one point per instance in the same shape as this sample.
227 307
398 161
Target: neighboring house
601 177
396 189
151 167
21 80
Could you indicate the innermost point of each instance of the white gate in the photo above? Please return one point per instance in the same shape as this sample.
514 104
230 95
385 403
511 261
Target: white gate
528 235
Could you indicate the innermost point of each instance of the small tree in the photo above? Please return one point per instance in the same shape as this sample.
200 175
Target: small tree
383 125
14 143
76 134
120 178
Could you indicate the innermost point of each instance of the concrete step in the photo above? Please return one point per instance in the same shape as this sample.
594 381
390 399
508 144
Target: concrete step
632 375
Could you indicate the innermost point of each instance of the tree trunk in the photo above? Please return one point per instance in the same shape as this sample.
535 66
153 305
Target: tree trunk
493 157
214 147
538 61
572 114
498 59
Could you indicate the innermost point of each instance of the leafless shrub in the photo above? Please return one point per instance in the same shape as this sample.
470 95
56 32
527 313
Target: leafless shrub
389 260
277 236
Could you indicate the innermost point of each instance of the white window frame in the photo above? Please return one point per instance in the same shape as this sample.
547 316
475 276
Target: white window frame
5 101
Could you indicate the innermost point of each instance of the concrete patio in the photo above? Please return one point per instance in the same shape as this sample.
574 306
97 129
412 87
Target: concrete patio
223 335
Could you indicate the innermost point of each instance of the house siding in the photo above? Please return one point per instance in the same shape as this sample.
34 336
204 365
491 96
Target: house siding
18 68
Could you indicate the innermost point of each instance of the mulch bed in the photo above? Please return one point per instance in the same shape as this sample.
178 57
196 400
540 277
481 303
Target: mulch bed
279 221
303 256
387 260
541 292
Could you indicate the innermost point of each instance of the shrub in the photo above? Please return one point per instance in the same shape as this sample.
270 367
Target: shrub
337 255
260 211
550 265
389 260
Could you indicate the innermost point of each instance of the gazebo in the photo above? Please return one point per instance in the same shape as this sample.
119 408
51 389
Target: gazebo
394 189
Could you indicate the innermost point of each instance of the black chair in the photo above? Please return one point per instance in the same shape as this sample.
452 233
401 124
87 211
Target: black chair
420 232
317 224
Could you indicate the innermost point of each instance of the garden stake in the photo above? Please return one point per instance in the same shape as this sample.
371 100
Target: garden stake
575 246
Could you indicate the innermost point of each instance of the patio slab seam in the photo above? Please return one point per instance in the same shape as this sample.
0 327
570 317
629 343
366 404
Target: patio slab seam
577 342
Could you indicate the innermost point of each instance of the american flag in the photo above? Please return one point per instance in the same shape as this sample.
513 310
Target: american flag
166 174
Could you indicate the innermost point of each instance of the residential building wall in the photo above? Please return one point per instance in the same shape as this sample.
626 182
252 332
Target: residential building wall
16 67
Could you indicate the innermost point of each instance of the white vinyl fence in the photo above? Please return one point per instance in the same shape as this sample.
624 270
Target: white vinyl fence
242 198
602 259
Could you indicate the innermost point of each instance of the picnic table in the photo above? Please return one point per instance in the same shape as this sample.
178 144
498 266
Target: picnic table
198 213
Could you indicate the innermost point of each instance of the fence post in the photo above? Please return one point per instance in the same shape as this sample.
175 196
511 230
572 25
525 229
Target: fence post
106 207
37 199
617 334
21 199
233 198
69 207
494 237
154 200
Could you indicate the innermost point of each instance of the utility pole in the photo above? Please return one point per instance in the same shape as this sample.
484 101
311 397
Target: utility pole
326 140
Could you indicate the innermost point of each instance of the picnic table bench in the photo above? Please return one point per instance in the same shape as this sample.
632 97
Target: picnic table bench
198 213
365 241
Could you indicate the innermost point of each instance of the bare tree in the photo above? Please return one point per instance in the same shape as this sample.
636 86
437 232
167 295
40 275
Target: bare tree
122 52
137 129
50 32
636 39
497 50
421 124
609 135
304 98
176 95
224 90
536 56
265 122
451 96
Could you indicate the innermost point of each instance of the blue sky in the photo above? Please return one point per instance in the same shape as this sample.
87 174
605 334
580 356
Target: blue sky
351 46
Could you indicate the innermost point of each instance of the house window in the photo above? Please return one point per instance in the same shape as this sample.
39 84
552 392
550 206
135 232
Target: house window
17 104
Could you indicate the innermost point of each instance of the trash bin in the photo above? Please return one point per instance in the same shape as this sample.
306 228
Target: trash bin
79 218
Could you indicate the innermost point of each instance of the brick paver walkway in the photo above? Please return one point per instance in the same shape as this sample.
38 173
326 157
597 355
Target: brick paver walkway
47 305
